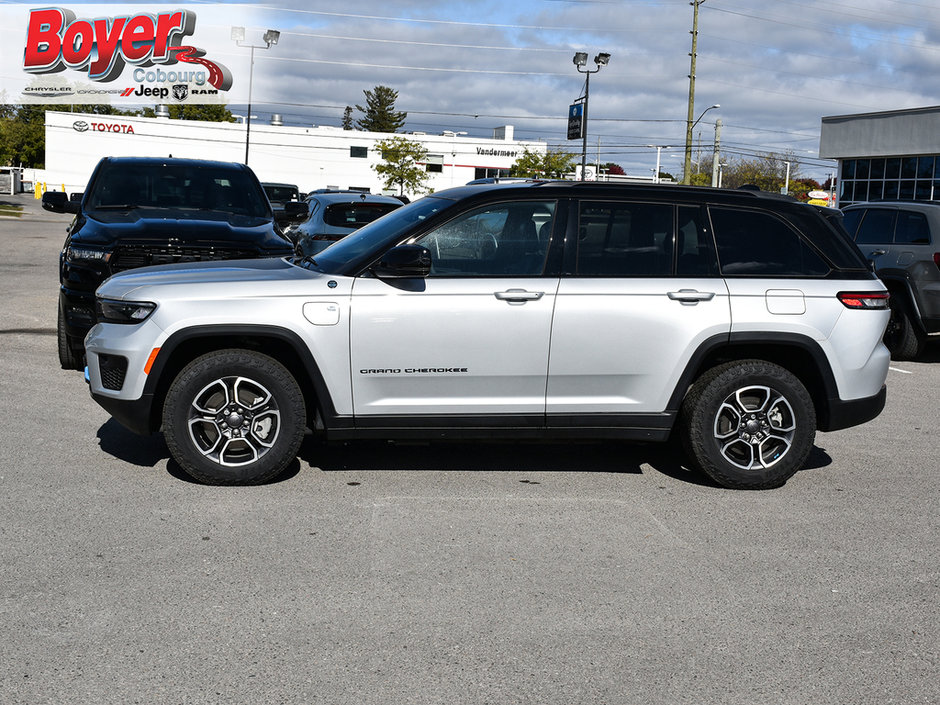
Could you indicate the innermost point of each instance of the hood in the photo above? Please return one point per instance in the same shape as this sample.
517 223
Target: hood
179 227
227 278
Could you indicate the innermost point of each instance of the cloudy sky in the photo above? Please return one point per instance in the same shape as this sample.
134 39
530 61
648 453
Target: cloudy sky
774 66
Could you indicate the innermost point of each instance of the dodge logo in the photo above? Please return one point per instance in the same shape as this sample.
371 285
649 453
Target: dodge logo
180 91
80 126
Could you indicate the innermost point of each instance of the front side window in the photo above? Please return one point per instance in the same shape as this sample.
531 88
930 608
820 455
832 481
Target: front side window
625 239
755 243
504 239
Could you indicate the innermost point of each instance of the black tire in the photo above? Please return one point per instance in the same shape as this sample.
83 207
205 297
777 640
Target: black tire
69 357
902 336
748 424
234 417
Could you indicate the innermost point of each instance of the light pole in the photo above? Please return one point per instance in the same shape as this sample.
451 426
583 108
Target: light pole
453 151
580 59
270 39
688 143
659 147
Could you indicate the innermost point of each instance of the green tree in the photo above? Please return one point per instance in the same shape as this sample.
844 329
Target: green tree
347 118
535 165
380 115
401 165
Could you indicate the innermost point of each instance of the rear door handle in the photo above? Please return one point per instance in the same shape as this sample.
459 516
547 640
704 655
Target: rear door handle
690 296
518 296
875 253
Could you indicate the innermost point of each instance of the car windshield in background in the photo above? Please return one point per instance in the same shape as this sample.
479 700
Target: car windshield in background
363 242
355 215
281 193
177 186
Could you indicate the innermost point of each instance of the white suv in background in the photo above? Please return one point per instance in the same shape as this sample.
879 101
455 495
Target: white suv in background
740 322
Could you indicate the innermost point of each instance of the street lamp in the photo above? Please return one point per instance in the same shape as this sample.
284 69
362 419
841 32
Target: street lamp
270 39
580 60
658 149
453 151
688 141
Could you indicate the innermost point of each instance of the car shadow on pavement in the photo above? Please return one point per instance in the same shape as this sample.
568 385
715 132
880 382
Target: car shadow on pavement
581 457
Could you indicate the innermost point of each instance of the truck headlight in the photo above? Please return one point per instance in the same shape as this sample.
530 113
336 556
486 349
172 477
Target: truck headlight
114 311
87 254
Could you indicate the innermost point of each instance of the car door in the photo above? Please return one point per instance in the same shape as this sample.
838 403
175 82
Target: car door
640 293
472 338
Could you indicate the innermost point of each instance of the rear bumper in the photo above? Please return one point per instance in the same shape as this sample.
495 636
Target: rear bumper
845 414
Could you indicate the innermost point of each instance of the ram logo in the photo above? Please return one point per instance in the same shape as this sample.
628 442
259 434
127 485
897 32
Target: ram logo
180 91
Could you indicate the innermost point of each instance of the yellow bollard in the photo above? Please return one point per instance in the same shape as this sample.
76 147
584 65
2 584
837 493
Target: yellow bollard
37 190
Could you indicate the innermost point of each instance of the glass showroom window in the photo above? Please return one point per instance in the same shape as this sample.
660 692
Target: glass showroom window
889 179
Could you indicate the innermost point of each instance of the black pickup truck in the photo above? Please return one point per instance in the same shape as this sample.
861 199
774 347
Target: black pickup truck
139 211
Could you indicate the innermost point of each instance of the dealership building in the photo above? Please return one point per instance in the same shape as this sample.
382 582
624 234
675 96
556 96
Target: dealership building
892 155
311 157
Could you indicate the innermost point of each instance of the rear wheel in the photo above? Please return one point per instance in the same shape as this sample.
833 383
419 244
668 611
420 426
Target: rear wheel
748 424
234 417
902 337
70 355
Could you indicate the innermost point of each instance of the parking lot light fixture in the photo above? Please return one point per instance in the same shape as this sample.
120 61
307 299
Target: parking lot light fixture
580 60
270 38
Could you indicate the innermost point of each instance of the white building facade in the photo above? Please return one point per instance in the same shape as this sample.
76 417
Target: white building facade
310 157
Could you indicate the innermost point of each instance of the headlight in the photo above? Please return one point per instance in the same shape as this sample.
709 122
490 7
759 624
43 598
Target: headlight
113 311
74 254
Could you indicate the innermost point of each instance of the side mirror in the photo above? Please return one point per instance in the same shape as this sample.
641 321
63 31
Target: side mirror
404 262
55 201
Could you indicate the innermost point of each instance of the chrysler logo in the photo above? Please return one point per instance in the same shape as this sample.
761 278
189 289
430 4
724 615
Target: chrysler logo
80 126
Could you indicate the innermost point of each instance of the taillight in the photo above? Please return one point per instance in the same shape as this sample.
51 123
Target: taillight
869 300
936 259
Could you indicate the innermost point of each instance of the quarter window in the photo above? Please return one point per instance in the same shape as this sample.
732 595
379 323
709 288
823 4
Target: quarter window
754 243
912 229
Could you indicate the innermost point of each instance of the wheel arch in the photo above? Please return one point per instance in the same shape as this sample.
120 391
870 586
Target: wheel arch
796 353
281 344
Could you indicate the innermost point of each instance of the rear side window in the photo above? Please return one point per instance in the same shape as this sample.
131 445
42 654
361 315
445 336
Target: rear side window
695 251
755 243
618 239
877 227
912 229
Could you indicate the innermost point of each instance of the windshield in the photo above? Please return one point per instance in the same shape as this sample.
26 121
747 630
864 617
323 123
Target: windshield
352 250
356 215
204 187
281 193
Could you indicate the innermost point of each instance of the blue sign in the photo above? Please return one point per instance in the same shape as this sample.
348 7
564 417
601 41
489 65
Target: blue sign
575 121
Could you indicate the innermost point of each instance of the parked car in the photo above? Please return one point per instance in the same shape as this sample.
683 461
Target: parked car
740 322
139 211
902 239
332 215
286 202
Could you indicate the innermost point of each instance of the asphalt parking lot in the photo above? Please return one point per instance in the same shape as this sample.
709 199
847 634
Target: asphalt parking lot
477 573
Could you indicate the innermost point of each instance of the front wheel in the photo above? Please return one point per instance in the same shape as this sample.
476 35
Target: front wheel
234 417
71 356
748 424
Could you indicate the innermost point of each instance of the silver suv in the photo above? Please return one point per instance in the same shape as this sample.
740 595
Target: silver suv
739 322
903 241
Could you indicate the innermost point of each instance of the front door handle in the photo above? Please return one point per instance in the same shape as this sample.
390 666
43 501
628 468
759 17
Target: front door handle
518 296
690 296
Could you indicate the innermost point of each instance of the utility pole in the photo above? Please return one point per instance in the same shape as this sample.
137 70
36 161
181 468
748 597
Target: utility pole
717 156
686 173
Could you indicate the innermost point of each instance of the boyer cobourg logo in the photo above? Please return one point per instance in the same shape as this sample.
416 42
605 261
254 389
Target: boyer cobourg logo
104 46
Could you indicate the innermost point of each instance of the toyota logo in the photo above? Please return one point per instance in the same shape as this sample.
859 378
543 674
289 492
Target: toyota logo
80 126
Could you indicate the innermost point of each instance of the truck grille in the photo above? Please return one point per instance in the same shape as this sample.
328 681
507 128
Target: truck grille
125 257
